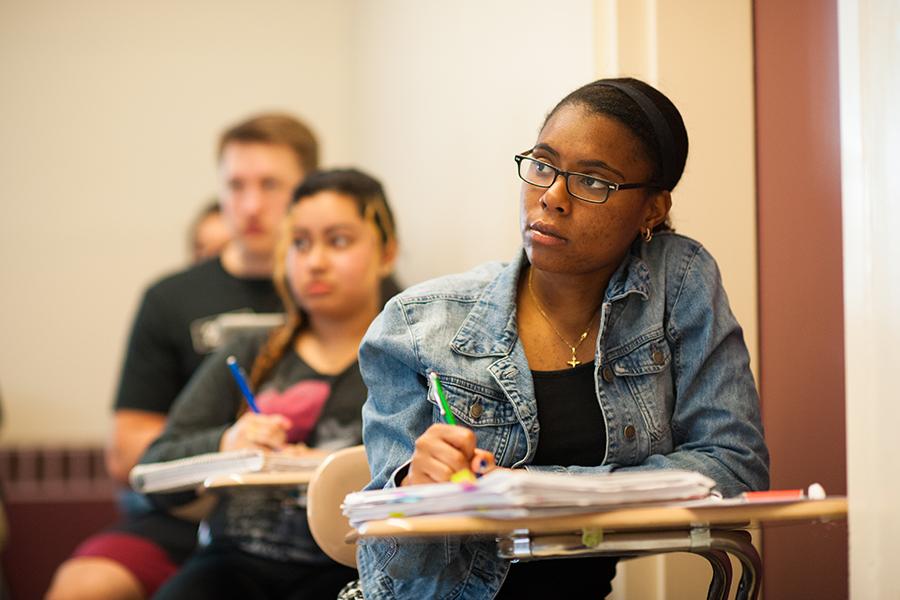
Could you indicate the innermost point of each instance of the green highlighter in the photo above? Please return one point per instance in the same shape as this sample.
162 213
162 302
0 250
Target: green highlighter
436 392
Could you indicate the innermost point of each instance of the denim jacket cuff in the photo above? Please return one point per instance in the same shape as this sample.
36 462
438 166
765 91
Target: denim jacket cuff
546 468
397 477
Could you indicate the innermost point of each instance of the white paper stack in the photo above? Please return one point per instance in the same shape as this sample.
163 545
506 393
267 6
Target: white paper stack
188 473
515 494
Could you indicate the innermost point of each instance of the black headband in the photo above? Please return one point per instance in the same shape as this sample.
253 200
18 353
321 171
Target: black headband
660 125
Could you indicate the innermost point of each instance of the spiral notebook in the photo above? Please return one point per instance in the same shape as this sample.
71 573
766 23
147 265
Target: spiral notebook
517 493
188 473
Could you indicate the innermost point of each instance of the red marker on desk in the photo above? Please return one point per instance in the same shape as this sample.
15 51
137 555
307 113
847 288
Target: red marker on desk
813 492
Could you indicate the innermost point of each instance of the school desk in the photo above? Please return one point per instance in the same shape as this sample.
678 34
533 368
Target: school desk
712 531
270 478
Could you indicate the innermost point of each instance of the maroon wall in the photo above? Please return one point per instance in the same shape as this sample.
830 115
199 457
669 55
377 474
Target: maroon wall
800 284
55 497
42 534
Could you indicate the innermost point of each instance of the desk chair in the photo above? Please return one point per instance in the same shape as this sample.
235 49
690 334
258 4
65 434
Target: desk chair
342 472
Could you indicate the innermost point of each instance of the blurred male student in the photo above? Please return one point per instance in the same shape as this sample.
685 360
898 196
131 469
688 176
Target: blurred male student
260 162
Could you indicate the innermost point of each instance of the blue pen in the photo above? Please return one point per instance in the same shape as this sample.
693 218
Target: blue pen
238 374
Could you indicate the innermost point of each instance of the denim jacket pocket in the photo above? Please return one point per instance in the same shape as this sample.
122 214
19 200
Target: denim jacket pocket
477 405
485 411
645 366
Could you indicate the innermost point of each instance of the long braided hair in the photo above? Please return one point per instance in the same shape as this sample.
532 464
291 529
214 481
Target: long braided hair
370 198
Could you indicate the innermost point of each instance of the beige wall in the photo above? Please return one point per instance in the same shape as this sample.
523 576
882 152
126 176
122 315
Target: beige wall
700 53
110 111
109 115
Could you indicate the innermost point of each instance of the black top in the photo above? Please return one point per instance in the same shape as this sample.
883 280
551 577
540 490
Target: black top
572 433
165 347
572 428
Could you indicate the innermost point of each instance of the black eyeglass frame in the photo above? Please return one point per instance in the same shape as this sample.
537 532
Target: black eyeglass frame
611 186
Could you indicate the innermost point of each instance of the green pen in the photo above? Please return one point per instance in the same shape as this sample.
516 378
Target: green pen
436 390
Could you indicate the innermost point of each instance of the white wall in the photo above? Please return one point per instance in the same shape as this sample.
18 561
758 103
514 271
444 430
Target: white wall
449 92
870 153
108 120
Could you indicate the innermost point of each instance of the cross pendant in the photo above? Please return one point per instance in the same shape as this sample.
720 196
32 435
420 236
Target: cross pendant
574 362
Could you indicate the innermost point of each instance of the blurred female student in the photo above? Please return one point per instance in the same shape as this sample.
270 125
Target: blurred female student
608 344
209 233
338 244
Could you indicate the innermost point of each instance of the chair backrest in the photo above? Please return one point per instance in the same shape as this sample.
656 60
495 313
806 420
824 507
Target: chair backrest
342 472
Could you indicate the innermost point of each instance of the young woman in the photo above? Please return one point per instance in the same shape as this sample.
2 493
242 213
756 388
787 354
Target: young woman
338 245
607 345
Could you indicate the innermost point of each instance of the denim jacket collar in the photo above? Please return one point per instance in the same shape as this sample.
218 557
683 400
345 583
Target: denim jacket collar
632 276
490 328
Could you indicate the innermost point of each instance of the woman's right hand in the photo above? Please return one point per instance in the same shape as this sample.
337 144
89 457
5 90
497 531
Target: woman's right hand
442 451
256 432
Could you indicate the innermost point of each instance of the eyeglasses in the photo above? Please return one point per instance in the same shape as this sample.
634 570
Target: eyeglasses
584 187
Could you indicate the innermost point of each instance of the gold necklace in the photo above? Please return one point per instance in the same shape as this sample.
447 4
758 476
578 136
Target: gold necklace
574 362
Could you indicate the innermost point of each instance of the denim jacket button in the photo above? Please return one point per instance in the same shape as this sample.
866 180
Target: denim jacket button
608 375
629 432
657 357
476 410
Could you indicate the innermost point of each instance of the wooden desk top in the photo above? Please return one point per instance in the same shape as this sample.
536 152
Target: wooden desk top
725 516
271 478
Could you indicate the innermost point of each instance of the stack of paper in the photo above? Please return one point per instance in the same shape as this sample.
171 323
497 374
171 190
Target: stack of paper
188 473
514 494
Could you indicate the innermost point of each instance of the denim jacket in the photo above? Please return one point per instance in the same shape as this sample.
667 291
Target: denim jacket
672 379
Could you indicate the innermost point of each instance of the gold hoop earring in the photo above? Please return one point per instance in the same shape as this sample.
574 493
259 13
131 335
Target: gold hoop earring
648 235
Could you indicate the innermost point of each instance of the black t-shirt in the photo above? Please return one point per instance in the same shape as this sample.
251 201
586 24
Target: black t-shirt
167 341
572 428
166 345
572 433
